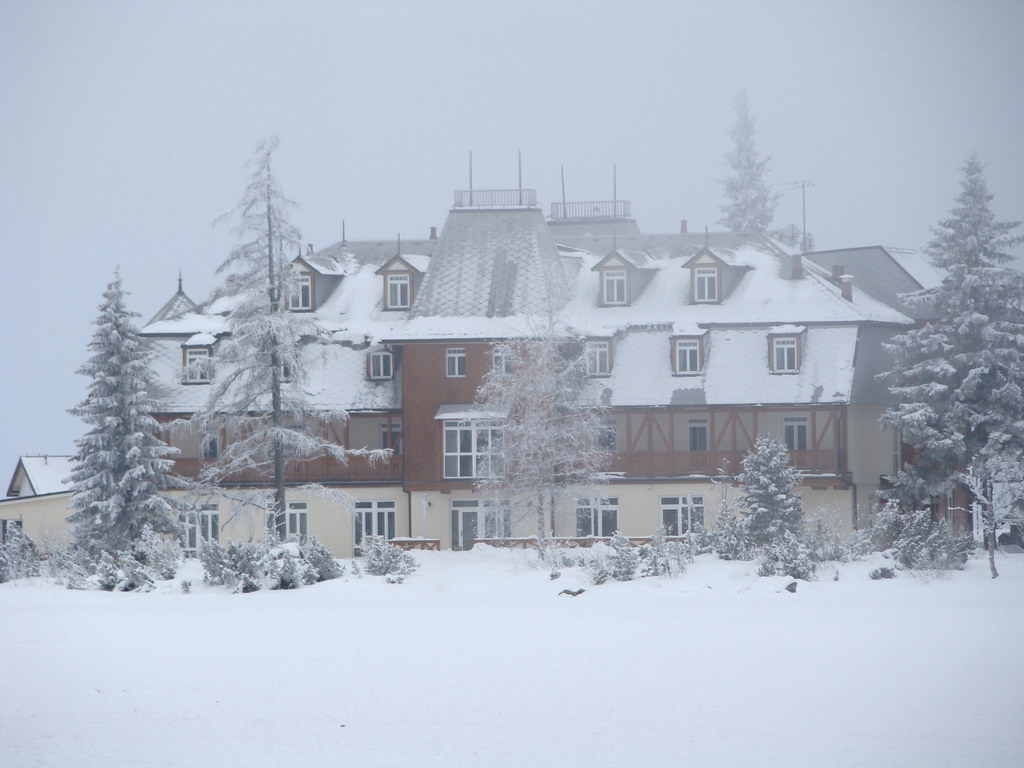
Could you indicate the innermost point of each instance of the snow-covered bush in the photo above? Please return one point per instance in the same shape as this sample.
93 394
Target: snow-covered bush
917 542
381 558
240 567
322 561
786 556
661 557
730 537
771 504
160 555
19 558
121 572
73 568
624 560
597 571
825 545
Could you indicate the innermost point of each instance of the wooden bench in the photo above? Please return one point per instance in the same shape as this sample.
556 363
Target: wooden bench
407 544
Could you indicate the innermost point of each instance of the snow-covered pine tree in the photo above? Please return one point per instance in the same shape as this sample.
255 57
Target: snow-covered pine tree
552 449
959 379
768 480
751 205
121 466
258 397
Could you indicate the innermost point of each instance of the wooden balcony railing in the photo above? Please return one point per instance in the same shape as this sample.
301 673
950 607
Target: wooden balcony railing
712 463
594 209
321 470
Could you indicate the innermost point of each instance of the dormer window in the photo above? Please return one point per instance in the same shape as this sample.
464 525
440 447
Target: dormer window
688 356
382 365
613 287
196 362
705 285
785 354
301 297
397 290
455 362
599 358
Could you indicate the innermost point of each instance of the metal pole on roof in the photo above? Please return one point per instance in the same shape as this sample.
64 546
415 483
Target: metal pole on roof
398 249
520 177
563 189
343 242
803 207
470 177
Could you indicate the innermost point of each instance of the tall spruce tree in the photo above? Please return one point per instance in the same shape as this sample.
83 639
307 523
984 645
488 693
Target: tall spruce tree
768 480
751 205
121 465
959 378
258 398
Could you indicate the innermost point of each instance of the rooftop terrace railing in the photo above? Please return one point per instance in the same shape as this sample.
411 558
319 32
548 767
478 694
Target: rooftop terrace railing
593 209
495 198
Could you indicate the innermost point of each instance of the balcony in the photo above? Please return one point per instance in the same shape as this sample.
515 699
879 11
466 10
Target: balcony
684 463
320 470
495 198
594 209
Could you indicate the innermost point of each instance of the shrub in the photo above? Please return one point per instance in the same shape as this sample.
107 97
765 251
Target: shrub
121 572
322 561
160 555
786 556
624 559
730 537
382 558
662 558
916 541
240 567
824 545
597 571
881 573
19 558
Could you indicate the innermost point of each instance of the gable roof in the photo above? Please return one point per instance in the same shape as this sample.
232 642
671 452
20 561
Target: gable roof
405 262
40 475
178 305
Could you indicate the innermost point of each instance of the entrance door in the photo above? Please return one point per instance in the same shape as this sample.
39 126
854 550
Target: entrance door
465 524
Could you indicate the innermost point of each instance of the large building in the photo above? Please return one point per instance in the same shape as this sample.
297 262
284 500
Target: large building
696 344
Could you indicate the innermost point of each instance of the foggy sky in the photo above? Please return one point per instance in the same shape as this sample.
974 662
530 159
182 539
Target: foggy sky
125 127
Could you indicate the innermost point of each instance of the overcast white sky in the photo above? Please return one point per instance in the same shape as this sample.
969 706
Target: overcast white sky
125 126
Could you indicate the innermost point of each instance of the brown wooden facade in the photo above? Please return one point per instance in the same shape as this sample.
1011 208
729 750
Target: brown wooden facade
651 443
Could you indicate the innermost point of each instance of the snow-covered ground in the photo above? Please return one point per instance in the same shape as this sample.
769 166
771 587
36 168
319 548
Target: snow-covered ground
477 661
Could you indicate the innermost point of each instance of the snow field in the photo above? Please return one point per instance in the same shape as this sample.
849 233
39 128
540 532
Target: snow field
476 660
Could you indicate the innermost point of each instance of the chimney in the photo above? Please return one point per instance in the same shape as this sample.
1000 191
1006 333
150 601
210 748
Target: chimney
433 233
309 249
796 267
682 227
837 270
847 281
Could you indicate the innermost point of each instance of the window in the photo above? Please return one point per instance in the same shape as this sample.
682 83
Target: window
795 433
455 362
397 290
613 286
682 514
472 449
382 365
301 298
209 447
697 434
688 357
599 358
500 362
391 436
197 365
200 526
474 519
601 519
784 355
374 518
705 284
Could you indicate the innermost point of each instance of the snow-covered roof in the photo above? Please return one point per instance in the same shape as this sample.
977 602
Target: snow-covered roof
39 475
465 411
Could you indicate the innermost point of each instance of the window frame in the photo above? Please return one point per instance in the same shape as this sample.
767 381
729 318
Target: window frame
586 519
785 344
481 457
703 278
455 362
698 424
303 289
684 510
391 436
376 365
400 283
493 519
192 372
612 280
378 512
692 344
598 351
200 525
795 432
